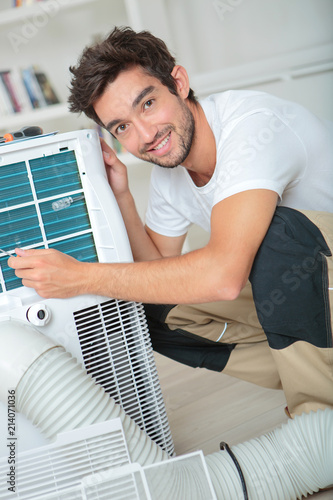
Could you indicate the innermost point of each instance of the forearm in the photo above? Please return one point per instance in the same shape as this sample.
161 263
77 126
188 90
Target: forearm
216 272
193 277
142 246
190 278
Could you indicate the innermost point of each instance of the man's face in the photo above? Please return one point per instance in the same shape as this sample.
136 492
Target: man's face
149 121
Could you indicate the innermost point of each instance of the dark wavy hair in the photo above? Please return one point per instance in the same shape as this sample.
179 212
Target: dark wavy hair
100 65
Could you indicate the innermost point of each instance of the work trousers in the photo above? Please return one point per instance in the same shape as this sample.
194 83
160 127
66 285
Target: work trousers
278 332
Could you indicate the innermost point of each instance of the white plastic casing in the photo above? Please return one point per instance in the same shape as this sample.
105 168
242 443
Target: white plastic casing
38 314
20 346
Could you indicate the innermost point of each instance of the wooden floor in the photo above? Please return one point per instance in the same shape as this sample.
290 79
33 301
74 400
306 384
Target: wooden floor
205 408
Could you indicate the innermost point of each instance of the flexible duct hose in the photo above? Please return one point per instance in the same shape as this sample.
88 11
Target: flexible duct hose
291 461
297 459
56 394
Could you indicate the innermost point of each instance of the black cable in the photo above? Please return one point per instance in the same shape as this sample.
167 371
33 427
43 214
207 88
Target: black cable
238 467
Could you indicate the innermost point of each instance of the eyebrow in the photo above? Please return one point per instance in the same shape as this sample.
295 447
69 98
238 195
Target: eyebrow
137 100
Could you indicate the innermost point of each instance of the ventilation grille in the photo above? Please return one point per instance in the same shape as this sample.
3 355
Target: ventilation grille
27 218
117 353
92 463
61 466
181 478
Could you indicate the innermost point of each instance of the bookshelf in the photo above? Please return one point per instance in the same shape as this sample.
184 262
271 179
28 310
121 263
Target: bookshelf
51 35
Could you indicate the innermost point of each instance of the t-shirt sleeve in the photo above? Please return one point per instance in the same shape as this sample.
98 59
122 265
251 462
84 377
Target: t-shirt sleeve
161 215
260 152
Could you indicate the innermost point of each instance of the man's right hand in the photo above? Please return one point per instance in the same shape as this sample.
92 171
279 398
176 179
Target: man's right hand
116 171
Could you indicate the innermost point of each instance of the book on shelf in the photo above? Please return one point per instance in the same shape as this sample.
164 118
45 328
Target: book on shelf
49 96
22 3
9 94
34 91
23 90
10 4
6 106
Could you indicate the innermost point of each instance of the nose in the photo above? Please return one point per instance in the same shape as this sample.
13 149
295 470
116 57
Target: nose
146 131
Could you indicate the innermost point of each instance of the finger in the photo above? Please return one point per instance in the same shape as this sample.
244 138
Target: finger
19 263
109 158
28 283
104 144
109 154
106 149
38 287
25 275
33 252
24 257
21 252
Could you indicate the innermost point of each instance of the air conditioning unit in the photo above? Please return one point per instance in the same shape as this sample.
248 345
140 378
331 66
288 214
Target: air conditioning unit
55 194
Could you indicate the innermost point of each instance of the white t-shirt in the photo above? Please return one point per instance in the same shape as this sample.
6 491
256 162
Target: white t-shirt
263 142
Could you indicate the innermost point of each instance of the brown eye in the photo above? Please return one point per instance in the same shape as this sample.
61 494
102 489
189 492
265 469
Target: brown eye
121 129
148 103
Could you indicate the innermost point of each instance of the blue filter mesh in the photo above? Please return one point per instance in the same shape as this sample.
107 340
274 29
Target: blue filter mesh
14 186
55 174
28 217
64 222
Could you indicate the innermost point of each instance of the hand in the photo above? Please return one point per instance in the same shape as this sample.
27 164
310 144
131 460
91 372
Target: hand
116 171
51 273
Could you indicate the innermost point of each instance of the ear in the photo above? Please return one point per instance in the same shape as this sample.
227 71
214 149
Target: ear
180 76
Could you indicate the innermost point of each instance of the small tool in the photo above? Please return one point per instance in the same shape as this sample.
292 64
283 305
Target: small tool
4 251
65 202
24 132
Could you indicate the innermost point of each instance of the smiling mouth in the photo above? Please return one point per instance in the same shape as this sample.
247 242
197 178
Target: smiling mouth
161 144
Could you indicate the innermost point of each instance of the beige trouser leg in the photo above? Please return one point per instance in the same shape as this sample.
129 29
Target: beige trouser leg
305 372
251 360
306 375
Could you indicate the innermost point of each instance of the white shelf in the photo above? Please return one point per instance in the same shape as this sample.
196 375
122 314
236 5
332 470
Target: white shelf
32 117
16 14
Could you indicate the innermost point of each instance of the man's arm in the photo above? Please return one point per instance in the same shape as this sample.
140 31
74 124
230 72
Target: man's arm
216 272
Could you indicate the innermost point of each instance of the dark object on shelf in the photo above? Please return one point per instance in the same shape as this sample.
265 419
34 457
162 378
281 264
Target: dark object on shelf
30 131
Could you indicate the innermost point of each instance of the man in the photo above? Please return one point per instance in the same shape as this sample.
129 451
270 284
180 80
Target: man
253 170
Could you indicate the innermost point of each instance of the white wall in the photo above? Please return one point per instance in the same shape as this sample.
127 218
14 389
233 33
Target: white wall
225 33
236 38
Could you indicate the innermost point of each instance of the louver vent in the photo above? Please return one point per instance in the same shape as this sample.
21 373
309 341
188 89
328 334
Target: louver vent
29 191
58 469
92 463
117 353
